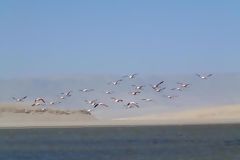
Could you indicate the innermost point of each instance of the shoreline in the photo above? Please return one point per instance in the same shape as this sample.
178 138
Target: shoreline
112 124
120 125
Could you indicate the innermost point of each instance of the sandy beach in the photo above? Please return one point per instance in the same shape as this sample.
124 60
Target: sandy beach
12 116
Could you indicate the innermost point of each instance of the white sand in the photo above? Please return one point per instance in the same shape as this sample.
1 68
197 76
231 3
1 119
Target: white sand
15 116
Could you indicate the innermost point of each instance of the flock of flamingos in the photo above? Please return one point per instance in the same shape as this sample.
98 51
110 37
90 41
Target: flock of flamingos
96 104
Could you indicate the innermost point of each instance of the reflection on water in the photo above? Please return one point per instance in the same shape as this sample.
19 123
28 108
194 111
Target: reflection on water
220 142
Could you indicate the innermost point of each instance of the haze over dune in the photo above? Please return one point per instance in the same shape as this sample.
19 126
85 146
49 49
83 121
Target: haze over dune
204 115
222 89
12 115
22 116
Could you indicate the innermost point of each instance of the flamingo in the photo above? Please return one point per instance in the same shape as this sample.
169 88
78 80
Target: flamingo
109 92
132 104
115 82
159 89
100 104
156 86
117 100
92 102
135 93
53 103
38 102
86 90
147 99
170 97
19 99
67 94
177 89
204 77
184 85
62 97
138 87
131 76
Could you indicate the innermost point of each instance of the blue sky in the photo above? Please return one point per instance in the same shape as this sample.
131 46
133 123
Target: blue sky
43 38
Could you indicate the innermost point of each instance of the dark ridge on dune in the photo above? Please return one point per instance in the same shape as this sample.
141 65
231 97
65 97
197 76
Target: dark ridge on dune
26 110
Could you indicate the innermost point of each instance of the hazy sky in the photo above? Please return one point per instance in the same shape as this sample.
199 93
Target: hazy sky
54 37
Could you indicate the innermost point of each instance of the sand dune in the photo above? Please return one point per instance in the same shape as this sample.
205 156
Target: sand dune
19 116
205 115
22 116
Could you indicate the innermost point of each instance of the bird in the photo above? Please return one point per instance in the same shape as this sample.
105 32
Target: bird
92 102
53 103
67 94
147 99
159 89
138 87
177 89
109 92
100 104
117 100
132 104
19 99
157 85
204 77
135 93
116 82
86 90
90 110
170 97
62 97
131 76
184 85
38 102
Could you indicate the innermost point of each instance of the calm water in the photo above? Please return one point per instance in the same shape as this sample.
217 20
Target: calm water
216 142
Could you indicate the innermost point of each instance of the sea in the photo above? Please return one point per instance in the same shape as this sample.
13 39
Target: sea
191 142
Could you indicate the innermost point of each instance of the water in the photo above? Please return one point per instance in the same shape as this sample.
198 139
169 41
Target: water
213 142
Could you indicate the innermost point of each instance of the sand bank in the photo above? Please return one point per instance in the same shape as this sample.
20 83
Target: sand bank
18 116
